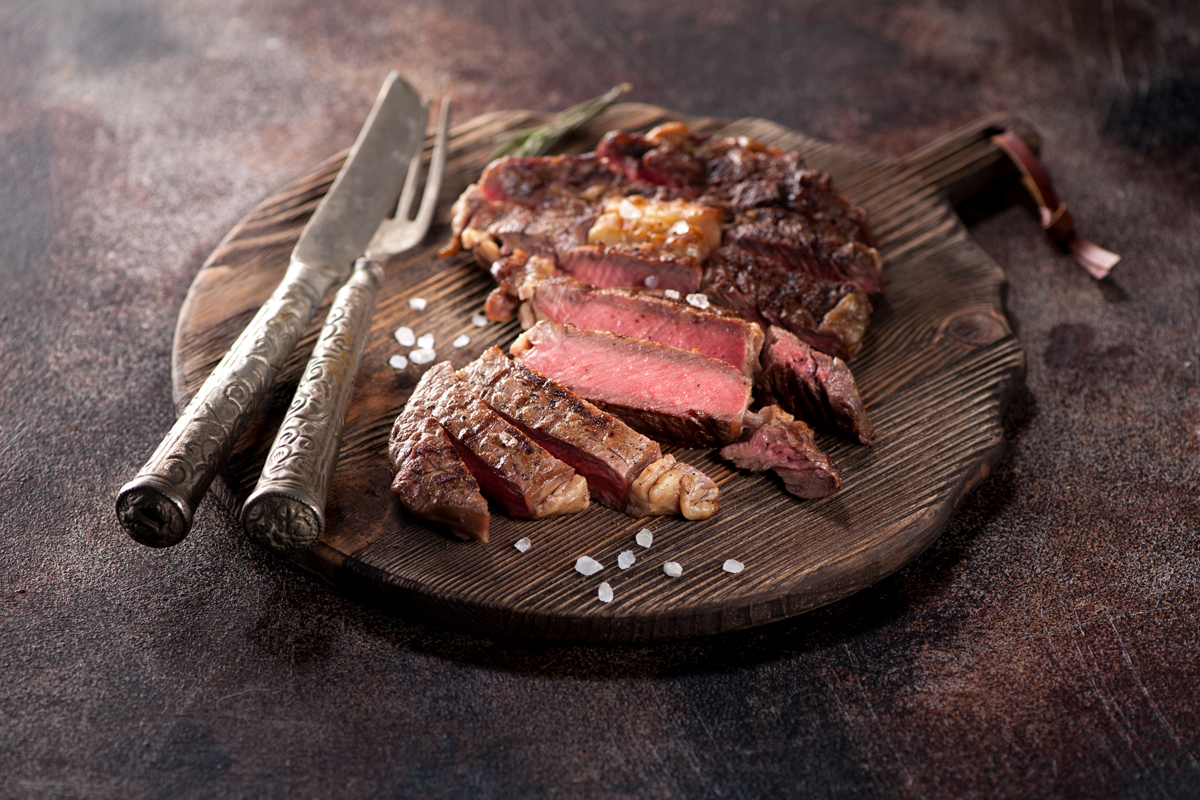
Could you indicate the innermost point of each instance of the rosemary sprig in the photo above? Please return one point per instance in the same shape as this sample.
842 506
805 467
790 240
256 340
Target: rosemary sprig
536 141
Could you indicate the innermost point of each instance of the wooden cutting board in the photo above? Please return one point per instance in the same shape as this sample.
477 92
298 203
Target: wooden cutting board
937 368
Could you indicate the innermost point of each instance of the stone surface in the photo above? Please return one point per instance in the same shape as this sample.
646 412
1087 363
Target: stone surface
1046 645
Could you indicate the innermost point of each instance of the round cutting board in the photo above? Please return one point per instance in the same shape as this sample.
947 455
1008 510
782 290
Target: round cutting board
938 365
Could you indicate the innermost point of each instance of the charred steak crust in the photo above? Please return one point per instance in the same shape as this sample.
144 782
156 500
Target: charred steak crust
602 448
432 481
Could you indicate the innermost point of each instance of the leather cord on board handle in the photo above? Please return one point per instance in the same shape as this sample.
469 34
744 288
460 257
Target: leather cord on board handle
1056 220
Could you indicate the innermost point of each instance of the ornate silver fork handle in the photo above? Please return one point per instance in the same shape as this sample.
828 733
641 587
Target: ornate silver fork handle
286 511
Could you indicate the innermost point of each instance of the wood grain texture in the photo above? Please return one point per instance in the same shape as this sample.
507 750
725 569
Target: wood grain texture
937 367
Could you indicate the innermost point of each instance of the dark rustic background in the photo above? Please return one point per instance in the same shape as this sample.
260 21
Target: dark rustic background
1045 646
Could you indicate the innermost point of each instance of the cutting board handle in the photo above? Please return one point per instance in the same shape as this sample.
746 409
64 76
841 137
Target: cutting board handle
966 161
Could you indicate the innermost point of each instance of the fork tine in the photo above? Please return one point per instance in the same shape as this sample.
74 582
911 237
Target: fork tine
410 185
437 168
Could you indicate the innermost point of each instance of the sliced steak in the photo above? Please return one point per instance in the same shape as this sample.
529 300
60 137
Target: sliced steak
785 446
810 384
512 469
664 392
431 479
630 265
716 332
832 317
602 448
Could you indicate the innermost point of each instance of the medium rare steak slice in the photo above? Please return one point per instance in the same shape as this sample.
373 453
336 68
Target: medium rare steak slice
785 446
810 384
630 265
716 332
662 391
602 448
832 317
431 479
512 469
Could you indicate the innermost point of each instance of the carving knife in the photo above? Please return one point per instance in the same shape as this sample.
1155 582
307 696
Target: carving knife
157 506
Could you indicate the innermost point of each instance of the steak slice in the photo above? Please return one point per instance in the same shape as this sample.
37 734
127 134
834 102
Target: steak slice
431 479
714 331
602 448
812 385
664 392
832 317
785 446
512 469
631 265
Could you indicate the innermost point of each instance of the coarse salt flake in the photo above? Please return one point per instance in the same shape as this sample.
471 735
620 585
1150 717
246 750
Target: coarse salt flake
627 210
462 341
671 293
651 281
422 355
673 569
406 337
644 537
479 319
425 340
699 300
732 565
417 304
679 228
523 544
586 565
626 559
605 594
398 362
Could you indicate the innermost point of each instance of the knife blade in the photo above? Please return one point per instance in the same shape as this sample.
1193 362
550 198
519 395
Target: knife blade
156 508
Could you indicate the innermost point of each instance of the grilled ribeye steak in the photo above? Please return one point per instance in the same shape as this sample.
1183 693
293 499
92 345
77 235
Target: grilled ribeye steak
644 314
528 481
810 384
624 469
774 239
431 479
667 393
599 446
785 446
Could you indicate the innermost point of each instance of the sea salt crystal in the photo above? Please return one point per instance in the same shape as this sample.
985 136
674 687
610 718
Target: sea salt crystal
417 304
422 355
586 565
627 210
523 544
699 300
651 281
398 362
626 559
462 341
671 293
605 594
406 337
425 341
479 319
673 569
644 537
679 228
733 566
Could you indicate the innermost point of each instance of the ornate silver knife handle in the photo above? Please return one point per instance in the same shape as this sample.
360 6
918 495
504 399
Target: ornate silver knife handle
286 512
157 506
